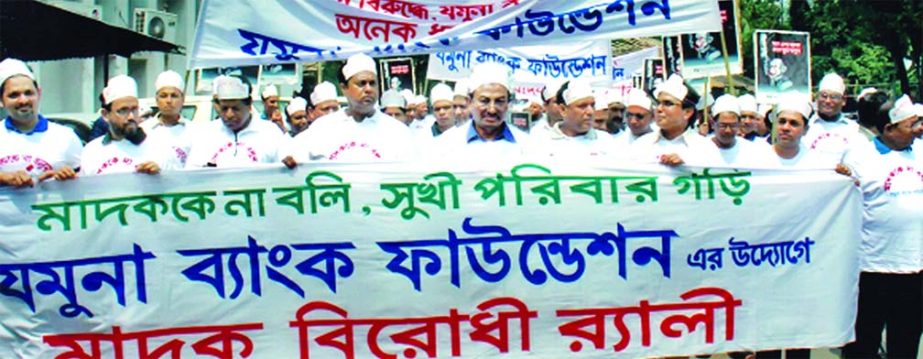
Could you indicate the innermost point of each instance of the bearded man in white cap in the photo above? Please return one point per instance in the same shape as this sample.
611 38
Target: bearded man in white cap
271 112
360 132
168 124
891 258
443 119
638 117
126 148
488 135
323 100
601 114
675 143
236 140
734 151
32 149
296 114
616 104
574 136
829 130
461 102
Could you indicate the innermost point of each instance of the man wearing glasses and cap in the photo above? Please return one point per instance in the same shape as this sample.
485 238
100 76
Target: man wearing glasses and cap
574 136
126 147
829 131
32 149
236 140
638 117
735 151
360 132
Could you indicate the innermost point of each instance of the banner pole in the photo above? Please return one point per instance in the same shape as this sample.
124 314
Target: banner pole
727 65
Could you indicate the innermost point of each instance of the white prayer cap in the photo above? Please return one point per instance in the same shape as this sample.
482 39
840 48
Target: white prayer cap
832 83
794 101
707 99
551 90
490 73
12 67
637 98
461 88
118 87
324 91
393 98
409 98
269 91
358 63
726 103
420 99
614 96
747 103
903 110
230 88
168 78
441 92
673 86
918 108
865 92
295 105
762 109
577 90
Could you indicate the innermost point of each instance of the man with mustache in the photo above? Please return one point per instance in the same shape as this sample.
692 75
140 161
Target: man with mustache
126 148
359 132
574 136
829 131
169 124
32 149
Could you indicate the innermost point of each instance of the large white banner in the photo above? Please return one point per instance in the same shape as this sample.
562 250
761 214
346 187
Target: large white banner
241 32
390 260
624 66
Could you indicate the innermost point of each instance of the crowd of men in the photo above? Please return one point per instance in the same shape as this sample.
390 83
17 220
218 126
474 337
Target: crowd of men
471 122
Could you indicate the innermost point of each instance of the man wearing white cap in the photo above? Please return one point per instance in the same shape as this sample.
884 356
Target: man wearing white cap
236 140
601 114
32 148
296 114
270 97
638 117
751 118
360 132
574 136
553 109
675 144
792 113
891 258
169 125
126 148
441 95
460 102
323 100
394 105
487 136
422 120
410 105
727 123
616 104
829 131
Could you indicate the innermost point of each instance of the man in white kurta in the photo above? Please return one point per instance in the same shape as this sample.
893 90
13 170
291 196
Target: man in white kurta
237 139
574 137
359 132
638 116
829 131
169 125
126 148
32 148
734 150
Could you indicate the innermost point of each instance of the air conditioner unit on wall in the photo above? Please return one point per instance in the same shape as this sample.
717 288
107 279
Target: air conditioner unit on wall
157 24
88 10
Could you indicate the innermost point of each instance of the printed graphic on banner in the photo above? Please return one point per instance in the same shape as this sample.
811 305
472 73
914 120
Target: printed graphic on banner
701 51
672 55
240 32
653 73
399 259
783 64
625 67
397 74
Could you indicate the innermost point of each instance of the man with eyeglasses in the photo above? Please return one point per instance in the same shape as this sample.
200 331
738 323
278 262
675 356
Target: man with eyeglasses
675 144
638 116
487 136
32 149
829 131
126 147
360 132
727 123
574 136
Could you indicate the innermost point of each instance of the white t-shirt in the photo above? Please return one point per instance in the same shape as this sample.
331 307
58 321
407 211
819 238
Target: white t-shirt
892 225
747 154
423 125
555 143
37 152
261 142
339 137
178 136
804 160
463 144
694 149
104 156
838 139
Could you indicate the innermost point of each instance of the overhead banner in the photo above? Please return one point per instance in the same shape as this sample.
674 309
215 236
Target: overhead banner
782 64
398 260
625 67
239 32
532 66
701 50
